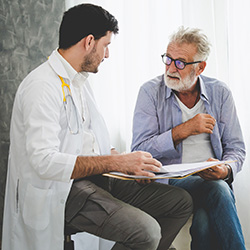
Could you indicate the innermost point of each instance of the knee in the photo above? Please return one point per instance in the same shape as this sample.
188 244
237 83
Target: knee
145 232
219 190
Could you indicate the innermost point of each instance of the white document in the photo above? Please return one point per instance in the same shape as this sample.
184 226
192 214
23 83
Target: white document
172 171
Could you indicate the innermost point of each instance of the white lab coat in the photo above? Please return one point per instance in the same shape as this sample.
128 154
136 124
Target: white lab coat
41 160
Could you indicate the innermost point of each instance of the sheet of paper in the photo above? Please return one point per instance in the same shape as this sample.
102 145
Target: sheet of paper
187 168
171 171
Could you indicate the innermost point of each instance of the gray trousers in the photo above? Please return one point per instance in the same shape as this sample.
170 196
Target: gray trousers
135 216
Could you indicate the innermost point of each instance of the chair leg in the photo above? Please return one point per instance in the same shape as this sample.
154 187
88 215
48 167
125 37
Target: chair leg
68 243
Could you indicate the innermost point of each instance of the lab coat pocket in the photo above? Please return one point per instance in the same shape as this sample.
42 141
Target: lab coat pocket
36 209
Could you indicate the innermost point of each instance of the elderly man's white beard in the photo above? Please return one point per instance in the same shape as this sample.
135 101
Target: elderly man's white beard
181 84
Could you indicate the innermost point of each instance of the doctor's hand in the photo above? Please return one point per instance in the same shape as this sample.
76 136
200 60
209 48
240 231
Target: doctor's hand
218 172
138 163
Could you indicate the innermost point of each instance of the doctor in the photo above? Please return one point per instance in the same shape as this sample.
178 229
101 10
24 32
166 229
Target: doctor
60 147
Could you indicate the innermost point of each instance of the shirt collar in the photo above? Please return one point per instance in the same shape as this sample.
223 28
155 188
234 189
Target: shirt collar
169 91
203 89
72 73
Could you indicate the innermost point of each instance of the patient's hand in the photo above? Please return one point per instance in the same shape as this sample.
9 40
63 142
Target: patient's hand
218 172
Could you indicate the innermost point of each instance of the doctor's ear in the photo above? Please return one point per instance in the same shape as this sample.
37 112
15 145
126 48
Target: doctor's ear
89 42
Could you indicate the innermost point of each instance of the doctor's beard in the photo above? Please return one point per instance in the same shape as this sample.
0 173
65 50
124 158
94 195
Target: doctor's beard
181 84
91 62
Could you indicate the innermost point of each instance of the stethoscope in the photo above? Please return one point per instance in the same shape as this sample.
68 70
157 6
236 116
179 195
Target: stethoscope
70 108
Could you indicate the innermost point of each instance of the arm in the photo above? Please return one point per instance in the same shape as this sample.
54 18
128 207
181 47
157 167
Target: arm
40 104
228 140
42 116
151 132
233 148
153 129
201 123
132 163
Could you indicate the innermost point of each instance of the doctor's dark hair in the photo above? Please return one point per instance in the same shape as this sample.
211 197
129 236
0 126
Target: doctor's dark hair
83 20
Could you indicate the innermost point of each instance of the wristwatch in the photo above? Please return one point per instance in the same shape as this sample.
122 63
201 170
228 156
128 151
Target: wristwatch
228 172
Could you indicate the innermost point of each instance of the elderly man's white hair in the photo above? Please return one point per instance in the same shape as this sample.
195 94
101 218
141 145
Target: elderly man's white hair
193 36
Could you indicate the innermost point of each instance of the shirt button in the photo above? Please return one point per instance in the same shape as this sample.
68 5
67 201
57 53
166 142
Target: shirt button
62 201
78 151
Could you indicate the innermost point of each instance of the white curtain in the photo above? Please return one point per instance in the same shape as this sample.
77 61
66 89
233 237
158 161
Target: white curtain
145 26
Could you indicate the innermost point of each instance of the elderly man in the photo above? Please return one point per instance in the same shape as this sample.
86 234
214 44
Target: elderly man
184 117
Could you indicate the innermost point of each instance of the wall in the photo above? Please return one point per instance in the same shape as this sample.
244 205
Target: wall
29 33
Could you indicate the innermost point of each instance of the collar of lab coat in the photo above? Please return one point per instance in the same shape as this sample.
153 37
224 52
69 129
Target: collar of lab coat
71 72
57 65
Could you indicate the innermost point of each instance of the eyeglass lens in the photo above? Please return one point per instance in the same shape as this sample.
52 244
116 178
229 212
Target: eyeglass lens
178 64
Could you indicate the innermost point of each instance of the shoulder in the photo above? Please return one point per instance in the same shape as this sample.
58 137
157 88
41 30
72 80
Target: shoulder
43 72
40 85
217 92
215 88
47 73
213 83
40 77
154 85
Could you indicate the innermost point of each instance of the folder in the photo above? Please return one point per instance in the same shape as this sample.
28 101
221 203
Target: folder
172 171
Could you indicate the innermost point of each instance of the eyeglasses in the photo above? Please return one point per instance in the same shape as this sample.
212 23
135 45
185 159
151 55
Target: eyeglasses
178 63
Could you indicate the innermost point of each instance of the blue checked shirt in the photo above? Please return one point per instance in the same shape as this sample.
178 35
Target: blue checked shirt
157 112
